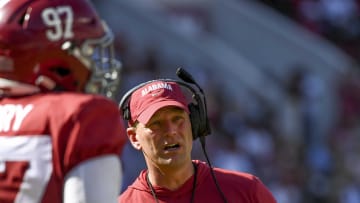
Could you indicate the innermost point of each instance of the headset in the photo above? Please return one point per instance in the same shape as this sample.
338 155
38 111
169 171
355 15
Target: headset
198 110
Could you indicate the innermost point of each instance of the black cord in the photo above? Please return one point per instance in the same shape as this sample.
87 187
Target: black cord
202 141
194 183
192 191
151 188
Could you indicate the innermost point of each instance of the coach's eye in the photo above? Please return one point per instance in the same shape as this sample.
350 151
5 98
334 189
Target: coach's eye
154 124
177 119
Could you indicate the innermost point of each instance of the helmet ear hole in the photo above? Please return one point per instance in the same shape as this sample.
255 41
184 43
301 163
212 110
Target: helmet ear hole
61 71
66 75
194 119
22 19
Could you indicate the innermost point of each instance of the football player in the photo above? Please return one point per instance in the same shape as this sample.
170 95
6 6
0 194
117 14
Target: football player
61 134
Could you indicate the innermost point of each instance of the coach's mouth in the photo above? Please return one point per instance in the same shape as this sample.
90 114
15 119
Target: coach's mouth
171 147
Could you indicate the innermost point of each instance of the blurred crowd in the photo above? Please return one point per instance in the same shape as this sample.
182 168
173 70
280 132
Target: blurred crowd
298 160
328 169
335 20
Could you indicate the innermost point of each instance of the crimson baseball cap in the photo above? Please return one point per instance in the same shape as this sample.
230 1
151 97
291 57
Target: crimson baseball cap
146 100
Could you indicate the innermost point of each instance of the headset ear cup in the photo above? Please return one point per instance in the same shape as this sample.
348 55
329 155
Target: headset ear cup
204 127
194 119
126 113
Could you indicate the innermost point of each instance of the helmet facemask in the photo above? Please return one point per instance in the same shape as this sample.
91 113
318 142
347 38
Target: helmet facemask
98 55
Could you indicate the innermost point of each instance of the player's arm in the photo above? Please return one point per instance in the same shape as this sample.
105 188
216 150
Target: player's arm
93 181
95 137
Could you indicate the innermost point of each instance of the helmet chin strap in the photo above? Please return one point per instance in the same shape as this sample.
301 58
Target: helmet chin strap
45 82
11 87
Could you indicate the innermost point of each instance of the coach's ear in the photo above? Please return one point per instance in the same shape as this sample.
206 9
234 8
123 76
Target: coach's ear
131 132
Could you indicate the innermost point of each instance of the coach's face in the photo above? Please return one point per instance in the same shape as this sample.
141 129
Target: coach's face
166 140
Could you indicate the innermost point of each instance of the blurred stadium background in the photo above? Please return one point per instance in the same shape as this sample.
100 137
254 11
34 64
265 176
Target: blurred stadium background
281 78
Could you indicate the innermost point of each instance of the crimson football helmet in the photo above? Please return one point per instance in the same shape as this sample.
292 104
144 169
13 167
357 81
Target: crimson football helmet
57 45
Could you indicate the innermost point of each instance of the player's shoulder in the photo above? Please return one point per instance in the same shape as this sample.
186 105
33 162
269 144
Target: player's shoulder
236 175
76 97
73 99
230 175
69 104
